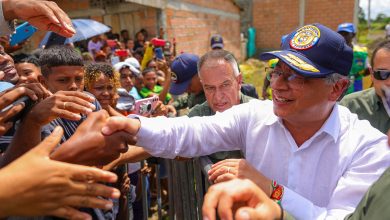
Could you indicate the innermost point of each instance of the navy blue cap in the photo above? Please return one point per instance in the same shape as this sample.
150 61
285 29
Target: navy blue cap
314 51
216 41
347 27
183 68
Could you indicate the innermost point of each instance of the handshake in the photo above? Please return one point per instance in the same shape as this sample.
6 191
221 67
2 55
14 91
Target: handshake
98 140
54 182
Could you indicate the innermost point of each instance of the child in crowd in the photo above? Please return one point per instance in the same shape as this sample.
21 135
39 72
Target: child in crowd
151 88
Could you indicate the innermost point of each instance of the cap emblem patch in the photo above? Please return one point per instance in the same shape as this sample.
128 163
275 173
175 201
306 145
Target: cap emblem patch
305 37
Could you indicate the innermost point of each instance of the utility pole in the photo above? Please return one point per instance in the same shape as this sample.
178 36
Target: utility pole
302 7
369 15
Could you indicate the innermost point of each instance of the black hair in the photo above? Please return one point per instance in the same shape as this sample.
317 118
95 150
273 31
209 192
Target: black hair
148 70
59 55
381 45
124 31
151 60
29 59
140 51
144 32
104 68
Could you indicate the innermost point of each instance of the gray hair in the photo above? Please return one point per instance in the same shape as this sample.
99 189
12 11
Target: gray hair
220 55
334 77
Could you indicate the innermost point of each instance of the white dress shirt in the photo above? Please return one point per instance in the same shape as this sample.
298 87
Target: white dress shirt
324 178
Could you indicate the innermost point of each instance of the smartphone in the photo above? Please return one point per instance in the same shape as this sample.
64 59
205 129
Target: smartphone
55 39
111 43
121 53
158 42
28 104
22 33
145 106
158 52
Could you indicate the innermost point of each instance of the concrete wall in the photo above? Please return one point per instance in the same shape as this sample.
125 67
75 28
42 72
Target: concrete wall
274 18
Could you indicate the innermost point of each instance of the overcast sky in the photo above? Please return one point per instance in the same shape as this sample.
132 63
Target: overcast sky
377 6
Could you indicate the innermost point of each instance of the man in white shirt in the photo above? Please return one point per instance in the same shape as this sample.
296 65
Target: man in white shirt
312 155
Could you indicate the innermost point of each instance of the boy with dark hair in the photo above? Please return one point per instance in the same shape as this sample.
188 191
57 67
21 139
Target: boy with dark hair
63 75
28 69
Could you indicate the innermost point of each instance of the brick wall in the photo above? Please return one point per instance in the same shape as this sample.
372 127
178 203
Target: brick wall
330 12
274 18
193 30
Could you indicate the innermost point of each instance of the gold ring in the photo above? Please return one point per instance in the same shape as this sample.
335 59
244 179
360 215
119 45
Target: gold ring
65 105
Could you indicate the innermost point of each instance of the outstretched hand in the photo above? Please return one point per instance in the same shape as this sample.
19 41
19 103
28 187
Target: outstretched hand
42 186
240 198
44 15
89 146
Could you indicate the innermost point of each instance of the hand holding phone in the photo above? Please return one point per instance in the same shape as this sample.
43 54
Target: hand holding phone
121 53
158 42
145 106
22 33
158 52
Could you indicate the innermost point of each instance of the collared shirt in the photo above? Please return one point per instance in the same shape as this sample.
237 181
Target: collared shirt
367 105
324 178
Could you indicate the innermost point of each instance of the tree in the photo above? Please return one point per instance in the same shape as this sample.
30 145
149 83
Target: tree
361 16
380 17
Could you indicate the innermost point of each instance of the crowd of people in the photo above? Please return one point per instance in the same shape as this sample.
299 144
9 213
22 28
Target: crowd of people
76 122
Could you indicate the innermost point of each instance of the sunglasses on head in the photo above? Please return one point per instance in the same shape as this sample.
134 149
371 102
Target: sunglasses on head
381 74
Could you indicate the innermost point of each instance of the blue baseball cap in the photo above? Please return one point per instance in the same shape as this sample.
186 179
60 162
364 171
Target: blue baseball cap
347 27
216 41
183 68
314 51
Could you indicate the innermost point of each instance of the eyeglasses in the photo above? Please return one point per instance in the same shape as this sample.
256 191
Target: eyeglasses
381 74
294 81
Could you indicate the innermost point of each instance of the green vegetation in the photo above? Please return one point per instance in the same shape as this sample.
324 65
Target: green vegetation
369 37
253 73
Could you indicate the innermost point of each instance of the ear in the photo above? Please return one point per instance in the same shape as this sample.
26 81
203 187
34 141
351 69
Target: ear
239 80
338 89
371 73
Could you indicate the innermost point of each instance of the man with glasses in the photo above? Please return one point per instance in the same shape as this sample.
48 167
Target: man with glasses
304 151
368 104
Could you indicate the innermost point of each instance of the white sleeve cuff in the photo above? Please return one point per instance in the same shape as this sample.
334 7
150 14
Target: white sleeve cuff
300 207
